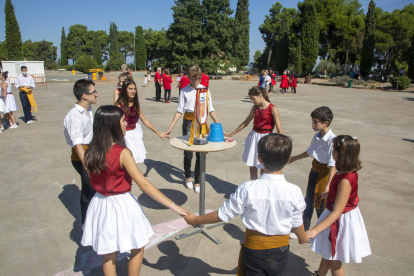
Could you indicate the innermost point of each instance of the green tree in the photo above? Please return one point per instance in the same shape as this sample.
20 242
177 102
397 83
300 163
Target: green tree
126 43
184 36
13 35
28 48
218 27
63 54
97 50
84 63
75 41
309 35
44 50
241 38
367 55
282 45
156 44
140 49
113 42
3 50
411 60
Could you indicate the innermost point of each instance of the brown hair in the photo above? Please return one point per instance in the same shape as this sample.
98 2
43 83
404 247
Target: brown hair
167 71
5 75
123 98
123 75
275 150
257 90
348 149
194 72
106 131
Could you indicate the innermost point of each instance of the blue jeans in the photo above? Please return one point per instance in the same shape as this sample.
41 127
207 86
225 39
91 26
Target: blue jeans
27 108
310 194
269 262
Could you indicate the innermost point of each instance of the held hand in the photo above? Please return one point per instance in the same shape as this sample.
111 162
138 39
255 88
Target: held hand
312 233
168 132
190 218
181 211
227 135
291 160
325 194
166 135
161 135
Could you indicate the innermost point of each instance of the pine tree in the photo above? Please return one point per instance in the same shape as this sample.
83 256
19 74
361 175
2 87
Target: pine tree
309 35
140 48
78 48
63 53
97 49
13 35
282 45
113 42
241 36
367 54
184 35
411 60
218 28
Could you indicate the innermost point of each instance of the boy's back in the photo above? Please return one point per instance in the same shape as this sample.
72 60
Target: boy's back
270 205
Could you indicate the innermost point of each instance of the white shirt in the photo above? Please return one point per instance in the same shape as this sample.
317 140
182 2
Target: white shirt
187 99
268 79
9 88
24 81
270 205
321 148
78 126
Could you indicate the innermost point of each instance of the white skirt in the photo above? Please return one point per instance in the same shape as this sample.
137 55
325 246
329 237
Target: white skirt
115 223
250 149
3 107
11 102
145 80
135 144
352 241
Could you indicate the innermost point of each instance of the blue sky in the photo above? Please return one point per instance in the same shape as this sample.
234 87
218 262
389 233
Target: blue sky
44 19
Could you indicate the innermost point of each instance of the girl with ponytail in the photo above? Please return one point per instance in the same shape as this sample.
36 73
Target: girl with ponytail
266 117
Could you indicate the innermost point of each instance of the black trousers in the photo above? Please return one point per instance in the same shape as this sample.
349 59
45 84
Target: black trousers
266 262
310 194
157 91
27 108
167 94
270 87
188 156
179 91
87 191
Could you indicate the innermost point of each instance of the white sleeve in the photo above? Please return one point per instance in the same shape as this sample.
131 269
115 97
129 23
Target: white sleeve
75 131
331 161
181 100
234 206
310 150
32 83
298 207
16 83
210 103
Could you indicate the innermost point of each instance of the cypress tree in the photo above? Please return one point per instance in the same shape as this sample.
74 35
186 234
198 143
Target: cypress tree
217 35
282 45
113 42
97 49
13 35
63 53
184 35
242 34
411 60
367 54
309 35
140 48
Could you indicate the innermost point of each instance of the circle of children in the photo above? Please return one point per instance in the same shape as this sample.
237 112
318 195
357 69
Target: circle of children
107 146
25 83
268 78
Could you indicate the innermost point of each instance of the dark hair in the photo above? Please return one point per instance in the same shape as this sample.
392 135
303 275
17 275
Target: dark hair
122 75
81 87
167 71
275 150
5 75
23 67
106 131
323 114
257 90
348 153
123 98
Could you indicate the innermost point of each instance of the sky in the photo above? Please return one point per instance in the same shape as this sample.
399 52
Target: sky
44 19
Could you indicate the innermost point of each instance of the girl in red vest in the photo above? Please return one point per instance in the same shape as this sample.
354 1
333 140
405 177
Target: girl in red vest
115 221
340 234
266 117
167 80
284 83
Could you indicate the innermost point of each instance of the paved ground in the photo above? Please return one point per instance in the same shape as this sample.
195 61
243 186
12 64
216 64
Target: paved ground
39 189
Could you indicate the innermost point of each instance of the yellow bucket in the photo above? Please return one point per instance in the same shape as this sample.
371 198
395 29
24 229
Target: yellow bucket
93 76
73 72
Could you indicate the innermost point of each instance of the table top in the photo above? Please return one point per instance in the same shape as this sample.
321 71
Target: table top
183 144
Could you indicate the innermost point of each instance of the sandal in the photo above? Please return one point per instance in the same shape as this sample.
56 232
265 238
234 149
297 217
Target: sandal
315 274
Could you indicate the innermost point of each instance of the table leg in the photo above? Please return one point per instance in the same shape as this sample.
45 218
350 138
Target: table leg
201 228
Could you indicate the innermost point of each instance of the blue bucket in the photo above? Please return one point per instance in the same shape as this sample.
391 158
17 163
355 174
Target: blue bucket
216 133
89 76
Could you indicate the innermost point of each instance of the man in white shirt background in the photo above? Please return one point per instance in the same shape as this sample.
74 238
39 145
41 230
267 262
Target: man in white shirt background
25 80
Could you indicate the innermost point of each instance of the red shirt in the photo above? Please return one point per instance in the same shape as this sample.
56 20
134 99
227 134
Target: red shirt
263 120
157 77
184 81
114 180
205 80
131 119
167 80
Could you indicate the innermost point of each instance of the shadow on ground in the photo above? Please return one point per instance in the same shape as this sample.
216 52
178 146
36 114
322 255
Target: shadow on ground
408 99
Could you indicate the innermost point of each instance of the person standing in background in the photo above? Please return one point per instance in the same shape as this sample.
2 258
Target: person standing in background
157 81
25 81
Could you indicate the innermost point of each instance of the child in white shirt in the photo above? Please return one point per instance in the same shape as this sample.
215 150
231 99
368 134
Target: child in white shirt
270 208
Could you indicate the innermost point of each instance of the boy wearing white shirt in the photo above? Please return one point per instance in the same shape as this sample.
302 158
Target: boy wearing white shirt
323 164
78 134
24 80
270 208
